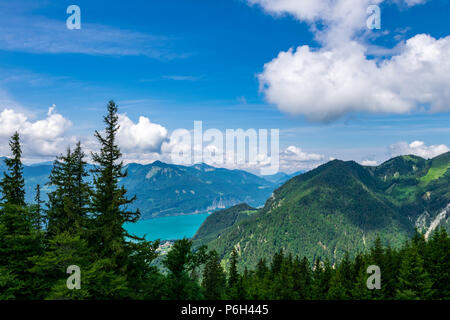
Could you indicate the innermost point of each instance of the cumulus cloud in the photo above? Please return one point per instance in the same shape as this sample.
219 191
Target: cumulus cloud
333 22
294 158
296 154
369 163
342 18
418 148
328 83
44 137
141 137
339 78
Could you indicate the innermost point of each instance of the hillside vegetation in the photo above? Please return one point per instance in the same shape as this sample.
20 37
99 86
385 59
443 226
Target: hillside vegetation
339 207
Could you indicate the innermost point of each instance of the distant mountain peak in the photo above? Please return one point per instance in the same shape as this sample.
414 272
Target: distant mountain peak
158 163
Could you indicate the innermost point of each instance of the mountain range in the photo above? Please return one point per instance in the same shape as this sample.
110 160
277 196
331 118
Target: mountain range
336 208
165 189
281 177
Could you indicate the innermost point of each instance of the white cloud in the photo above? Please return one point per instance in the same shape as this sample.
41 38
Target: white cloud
415 2
328 83
418 148
294 158
45 137
342 19
182 78
141 137
296 154
369 163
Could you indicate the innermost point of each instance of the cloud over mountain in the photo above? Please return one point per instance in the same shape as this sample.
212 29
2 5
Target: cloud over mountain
42 137
418 148
143 136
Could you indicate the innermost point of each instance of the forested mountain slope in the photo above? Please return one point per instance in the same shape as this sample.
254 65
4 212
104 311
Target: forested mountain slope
342 206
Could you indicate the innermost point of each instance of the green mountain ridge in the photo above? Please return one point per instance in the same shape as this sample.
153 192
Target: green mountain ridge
221 220
342 206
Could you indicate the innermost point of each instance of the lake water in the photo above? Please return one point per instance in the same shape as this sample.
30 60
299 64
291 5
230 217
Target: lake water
167 228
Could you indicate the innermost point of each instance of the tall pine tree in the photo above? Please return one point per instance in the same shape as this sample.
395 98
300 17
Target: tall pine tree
109 201
69 203
19 237
13 184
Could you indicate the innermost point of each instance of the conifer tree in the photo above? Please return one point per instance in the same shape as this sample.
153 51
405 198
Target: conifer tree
68 204
13 184
413 281
438 263
178 261
19 238
109 200
277 262
233 276
261 268
283 287
214 280
302 278
38 211
322 275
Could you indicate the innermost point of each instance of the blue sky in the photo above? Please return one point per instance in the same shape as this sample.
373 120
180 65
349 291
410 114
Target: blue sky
177 61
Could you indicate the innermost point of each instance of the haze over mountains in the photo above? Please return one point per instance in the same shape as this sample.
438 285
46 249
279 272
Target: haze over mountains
165 189
337 207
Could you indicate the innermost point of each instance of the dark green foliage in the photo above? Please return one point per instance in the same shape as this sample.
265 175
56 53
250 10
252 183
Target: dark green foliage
437 263
413 280
214 279
403 275
179 262
234 281
10 286
13 185
109 201
19 240
68 204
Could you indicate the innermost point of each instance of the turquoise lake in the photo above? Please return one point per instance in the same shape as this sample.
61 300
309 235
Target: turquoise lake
167 228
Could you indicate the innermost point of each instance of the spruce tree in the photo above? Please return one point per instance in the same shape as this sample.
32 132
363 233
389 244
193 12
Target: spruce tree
261 268
414 282
322 275
38 207
233 276
19 237
68 204
214 280
13 184
438 263
178 261
302 278
109 200
235 286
